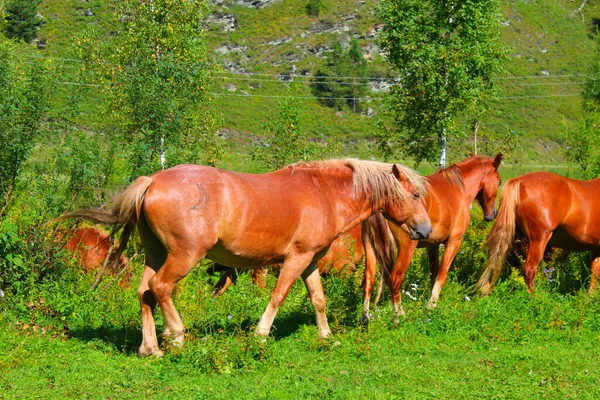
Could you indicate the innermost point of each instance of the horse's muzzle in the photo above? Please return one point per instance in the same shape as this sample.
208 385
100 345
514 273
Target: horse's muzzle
491 216
421 231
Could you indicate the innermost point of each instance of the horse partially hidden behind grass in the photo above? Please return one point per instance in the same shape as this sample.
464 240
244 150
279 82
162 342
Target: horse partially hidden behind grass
290 216
546 209
93 246
450 193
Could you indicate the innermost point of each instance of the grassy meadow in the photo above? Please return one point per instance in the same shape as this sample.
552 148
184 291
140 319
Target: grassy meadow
62 340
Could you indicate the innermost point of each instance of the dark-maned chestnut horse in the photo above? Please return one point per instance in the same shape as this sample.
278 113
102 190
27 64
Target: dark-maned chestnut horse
290 216
93 246
343 254
547 209
450 193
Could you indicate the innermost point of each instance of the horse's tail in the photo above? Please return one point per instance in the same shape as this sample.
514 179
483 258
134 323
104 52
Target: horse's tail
380 236
501 237
123 217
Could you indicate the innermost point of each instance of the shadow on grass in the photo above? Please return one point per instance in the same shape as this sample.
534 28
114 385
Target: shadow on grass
127 340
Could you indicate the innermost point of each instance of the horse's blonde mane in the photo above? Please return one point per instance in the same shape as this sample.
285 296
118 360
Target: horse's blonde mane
373 176
452 175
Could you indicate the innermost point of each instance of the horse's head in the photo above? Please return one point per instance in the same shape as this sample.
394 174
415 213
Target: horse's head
488 190
408 211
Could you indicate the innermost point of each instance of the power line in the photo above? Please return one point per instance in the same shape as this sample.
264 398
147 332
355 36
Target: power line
331 98
539 97
253 74
294 97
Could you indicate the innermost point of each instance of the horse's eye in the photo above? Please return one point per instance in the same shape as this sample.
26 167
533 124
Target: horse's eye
416 196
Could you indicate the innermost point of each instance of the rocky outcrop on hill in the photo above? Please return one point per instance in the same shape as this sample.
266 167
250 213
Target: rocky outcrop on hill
244 3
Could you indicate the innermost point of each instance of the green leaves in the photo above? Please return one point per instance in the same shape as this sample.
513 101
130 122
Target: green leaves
342 80
24 90
445 54
284 141
583 142
21 17
155 72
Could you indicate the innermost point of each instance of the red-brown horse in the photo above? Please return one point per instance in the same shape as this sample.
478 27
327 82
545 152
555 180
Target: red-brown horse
547 209
290 216
450 193
342 257
93 246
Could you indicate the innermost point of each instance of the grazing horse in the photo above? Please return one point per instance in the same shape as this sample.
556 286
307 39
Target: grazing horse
547 209
450 193
93 246
290 216
344 253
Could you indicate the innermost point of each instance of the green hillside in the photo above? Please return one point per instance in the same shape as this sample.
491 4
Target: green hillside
550 44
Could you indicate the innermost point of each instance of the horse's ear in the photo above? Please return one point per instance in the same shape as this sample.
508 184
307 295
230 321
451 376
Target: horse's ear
497 160
401 176
471 154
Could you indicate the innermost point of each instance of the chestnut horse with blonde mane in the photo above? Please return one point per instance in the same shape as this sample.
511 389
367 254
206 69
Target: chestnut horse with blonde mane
290 216
450 193
547 209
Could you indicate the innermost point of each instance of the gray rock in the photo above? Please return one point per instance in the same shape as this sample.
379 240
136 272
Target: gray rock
255 3
227 21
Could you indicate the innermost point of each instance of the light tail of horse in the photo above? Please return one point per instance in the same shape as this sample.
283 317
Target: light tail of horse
383 242
501 237
123 217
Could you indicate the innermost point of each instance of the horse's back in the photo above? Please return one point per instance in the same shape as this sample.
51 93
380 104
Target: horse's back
567 207
196 209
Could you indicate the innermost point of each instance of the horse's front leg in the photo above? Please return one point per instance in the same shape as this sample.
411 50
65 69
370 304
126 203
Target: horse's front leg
312 280
440 279
406 250
290 272
369 276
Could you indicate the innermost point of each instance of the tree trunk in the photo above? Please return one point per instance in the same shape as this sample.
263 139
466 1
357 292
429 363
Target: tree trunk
443 150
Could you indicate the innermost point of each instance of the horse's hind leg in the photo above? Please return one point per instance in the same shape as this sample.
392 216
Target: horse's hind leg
155 256
162 284
259 277
312 280
149 346
595 272
228 277
537 246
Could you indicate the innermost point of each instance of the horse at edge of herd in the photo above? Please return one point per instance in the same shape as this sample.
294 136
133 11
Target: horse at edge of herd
217 213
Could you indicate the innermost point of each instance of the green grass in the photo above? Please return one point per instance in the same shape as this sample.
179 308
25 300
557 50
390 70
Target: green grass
510 345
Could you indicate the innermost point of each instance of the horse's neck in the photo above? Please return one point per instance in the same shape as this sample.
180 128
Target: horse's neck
350 208
472 178
359 211
355 210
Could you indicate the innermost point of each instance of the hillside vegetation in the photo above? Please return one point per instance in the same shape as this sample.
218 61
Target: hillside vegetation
272 49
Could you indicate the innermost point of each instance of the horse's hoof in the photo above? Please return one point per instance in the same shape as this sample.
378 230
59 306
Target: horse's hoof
431 305
325 334
364 320
261 332
150 352
175 339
